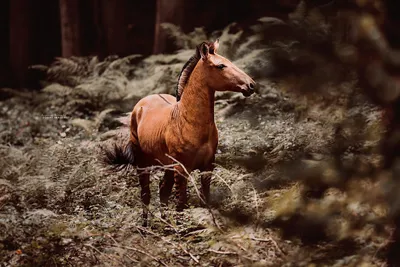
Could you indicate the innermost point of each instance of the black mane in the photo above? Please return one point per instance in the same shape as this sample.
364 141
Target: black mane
187 69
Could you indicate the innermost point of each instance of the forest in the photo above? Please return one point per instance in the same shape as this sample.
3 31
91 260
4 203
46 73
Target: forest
306 168
36 34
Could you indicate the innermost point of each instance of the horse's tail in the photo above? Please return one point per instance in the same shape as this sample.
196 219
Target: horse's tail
119 157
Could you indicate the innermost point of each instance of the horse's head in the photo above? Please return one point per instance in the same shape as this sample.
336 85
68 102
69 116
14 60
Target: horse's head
220 73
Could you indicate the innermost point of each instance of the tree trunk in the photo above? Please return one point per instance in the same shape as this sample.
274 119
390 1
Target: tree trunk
115 25
21 37
70 28
170 11
4 53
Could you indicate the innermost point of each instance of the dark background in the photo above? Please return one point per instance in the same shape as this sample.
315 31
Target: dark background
37 31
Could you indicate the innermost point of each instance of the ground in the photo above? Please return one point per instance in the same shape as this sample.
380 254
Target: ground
60 207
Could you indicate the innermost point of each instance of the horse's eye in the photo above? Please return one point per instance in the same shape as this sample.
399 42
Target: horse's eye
221 66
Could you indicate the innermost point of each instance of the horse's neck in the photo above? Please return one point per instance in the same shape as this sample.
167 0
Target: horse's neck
197 102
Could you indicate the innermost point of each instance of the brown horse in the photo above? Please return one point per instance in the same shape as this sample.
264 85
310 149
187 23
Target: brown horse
183 128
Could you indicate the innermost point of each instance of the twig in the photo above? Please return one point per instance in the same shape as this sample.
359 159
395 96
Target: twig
270 239
256 202
157 167
195 232
227 185
141 235
187 252
387 241
132 259
223 252
190 176
240 246
102 253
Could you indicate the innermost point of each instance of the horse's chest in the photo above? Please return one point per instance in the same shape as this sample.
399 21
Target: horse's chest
203 156
195 149
201 151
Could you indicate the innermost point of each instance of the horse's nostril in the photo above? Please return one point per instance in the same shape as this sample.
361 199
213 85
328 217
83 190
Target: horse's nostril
251 85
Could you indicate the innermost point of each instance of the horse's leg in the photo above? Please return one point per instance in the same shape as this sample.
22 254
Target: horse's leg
144 180
181 188
166 184
205 182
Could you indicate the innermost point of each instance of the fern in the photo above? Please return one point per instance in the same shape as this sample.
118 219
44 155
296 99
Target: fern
57 89
182 40
229 41
92 126
71 71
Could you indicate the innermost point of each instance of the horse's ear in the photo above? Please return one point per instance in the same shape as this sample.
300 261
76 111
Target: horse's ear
215 46
204 50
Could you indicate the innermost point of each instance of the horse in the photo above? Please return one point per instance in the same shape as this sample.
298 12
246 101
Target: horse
167 130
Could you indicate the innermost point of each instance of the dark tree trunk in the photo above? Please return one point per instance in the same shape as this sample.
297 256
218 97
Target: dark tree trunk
34 37
142 16
170 11
70 28
21 37
4 53
92 30
115 25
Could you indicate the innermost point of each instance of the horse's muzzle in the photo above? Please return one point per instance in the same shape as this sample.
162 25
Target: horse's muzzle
249 90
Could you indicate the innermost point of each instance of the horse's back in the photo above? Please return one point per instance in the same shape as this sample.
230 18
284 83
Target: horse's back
156 105
156 101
